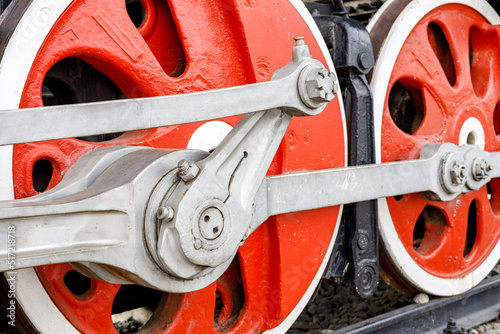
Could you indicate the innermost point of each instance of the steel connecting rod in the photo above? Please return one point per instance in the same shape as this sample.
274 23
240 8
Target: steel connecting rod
442 173
97 213
78 120
89 190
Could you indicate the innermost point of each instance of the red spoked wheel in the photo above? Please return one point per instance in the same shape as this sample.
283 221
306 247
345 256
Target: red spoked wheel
436 80
62 51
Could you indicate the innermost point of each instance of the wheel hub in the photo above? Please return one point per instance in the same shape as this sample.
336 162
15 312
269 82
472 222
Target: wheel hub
472 132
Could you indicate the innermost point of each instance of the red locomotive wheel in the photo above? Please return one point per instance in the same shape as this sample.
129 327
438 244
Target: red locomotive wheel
62 51
436 80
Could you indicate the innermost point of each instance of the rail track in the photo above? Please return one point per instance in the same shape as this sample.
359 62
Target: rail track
478 306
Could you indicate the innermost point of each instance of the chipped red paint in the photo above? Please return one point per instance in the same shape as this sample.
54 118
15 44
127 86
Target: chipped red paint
448 104
223 43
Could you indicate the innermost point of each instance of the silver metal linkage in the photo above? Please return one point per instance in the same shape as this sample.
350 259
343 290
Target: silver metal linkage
442 173
174 219
114 206
316 87
214 203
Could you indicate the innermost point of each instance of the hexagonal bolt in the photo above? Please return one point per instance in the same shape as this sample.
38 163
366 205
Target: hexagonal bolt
481 169
197 244
451 328
321 85
365 61
165 213
188 170
458 173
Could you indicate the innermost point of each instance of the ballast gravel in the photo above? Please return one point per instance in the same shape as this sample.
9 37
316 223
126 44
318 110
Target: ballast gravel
336 306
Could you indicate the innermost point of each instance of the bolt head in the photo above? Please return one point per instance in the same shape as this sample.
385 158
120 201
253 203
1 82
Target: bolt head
458 173
481 169
188 170
365 61
165 213
321 85
363 242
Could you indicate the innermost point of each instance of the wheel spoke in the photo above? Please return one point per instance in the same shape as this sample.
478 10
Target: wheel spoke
418 64
434 120
458 43
89 298
258 307
455 251
401 146
211 41
104 28
484 65
406 212
158 28
181 313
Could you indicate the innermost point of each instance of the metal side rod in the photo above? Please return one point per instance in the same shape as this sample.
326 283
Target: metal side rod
292 94
101 211
97 213
442 173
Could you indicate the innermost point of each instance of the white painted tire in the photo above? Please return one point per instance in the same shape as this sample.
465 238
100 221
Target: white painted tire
410 271
18 57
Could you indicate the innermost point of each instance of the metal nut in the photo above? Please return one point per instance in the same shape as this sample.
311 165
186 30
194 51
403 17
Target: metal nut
363 242
188 170
481 169
365 61
321 85
458 173
165 213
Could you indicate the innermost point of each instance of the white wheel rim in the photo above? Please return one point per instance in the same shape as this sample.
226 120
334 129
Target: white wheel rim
402 261
22 48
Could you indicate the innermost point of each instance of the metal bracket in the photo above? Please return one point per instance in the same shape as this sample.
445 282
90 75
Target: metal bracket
350 45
